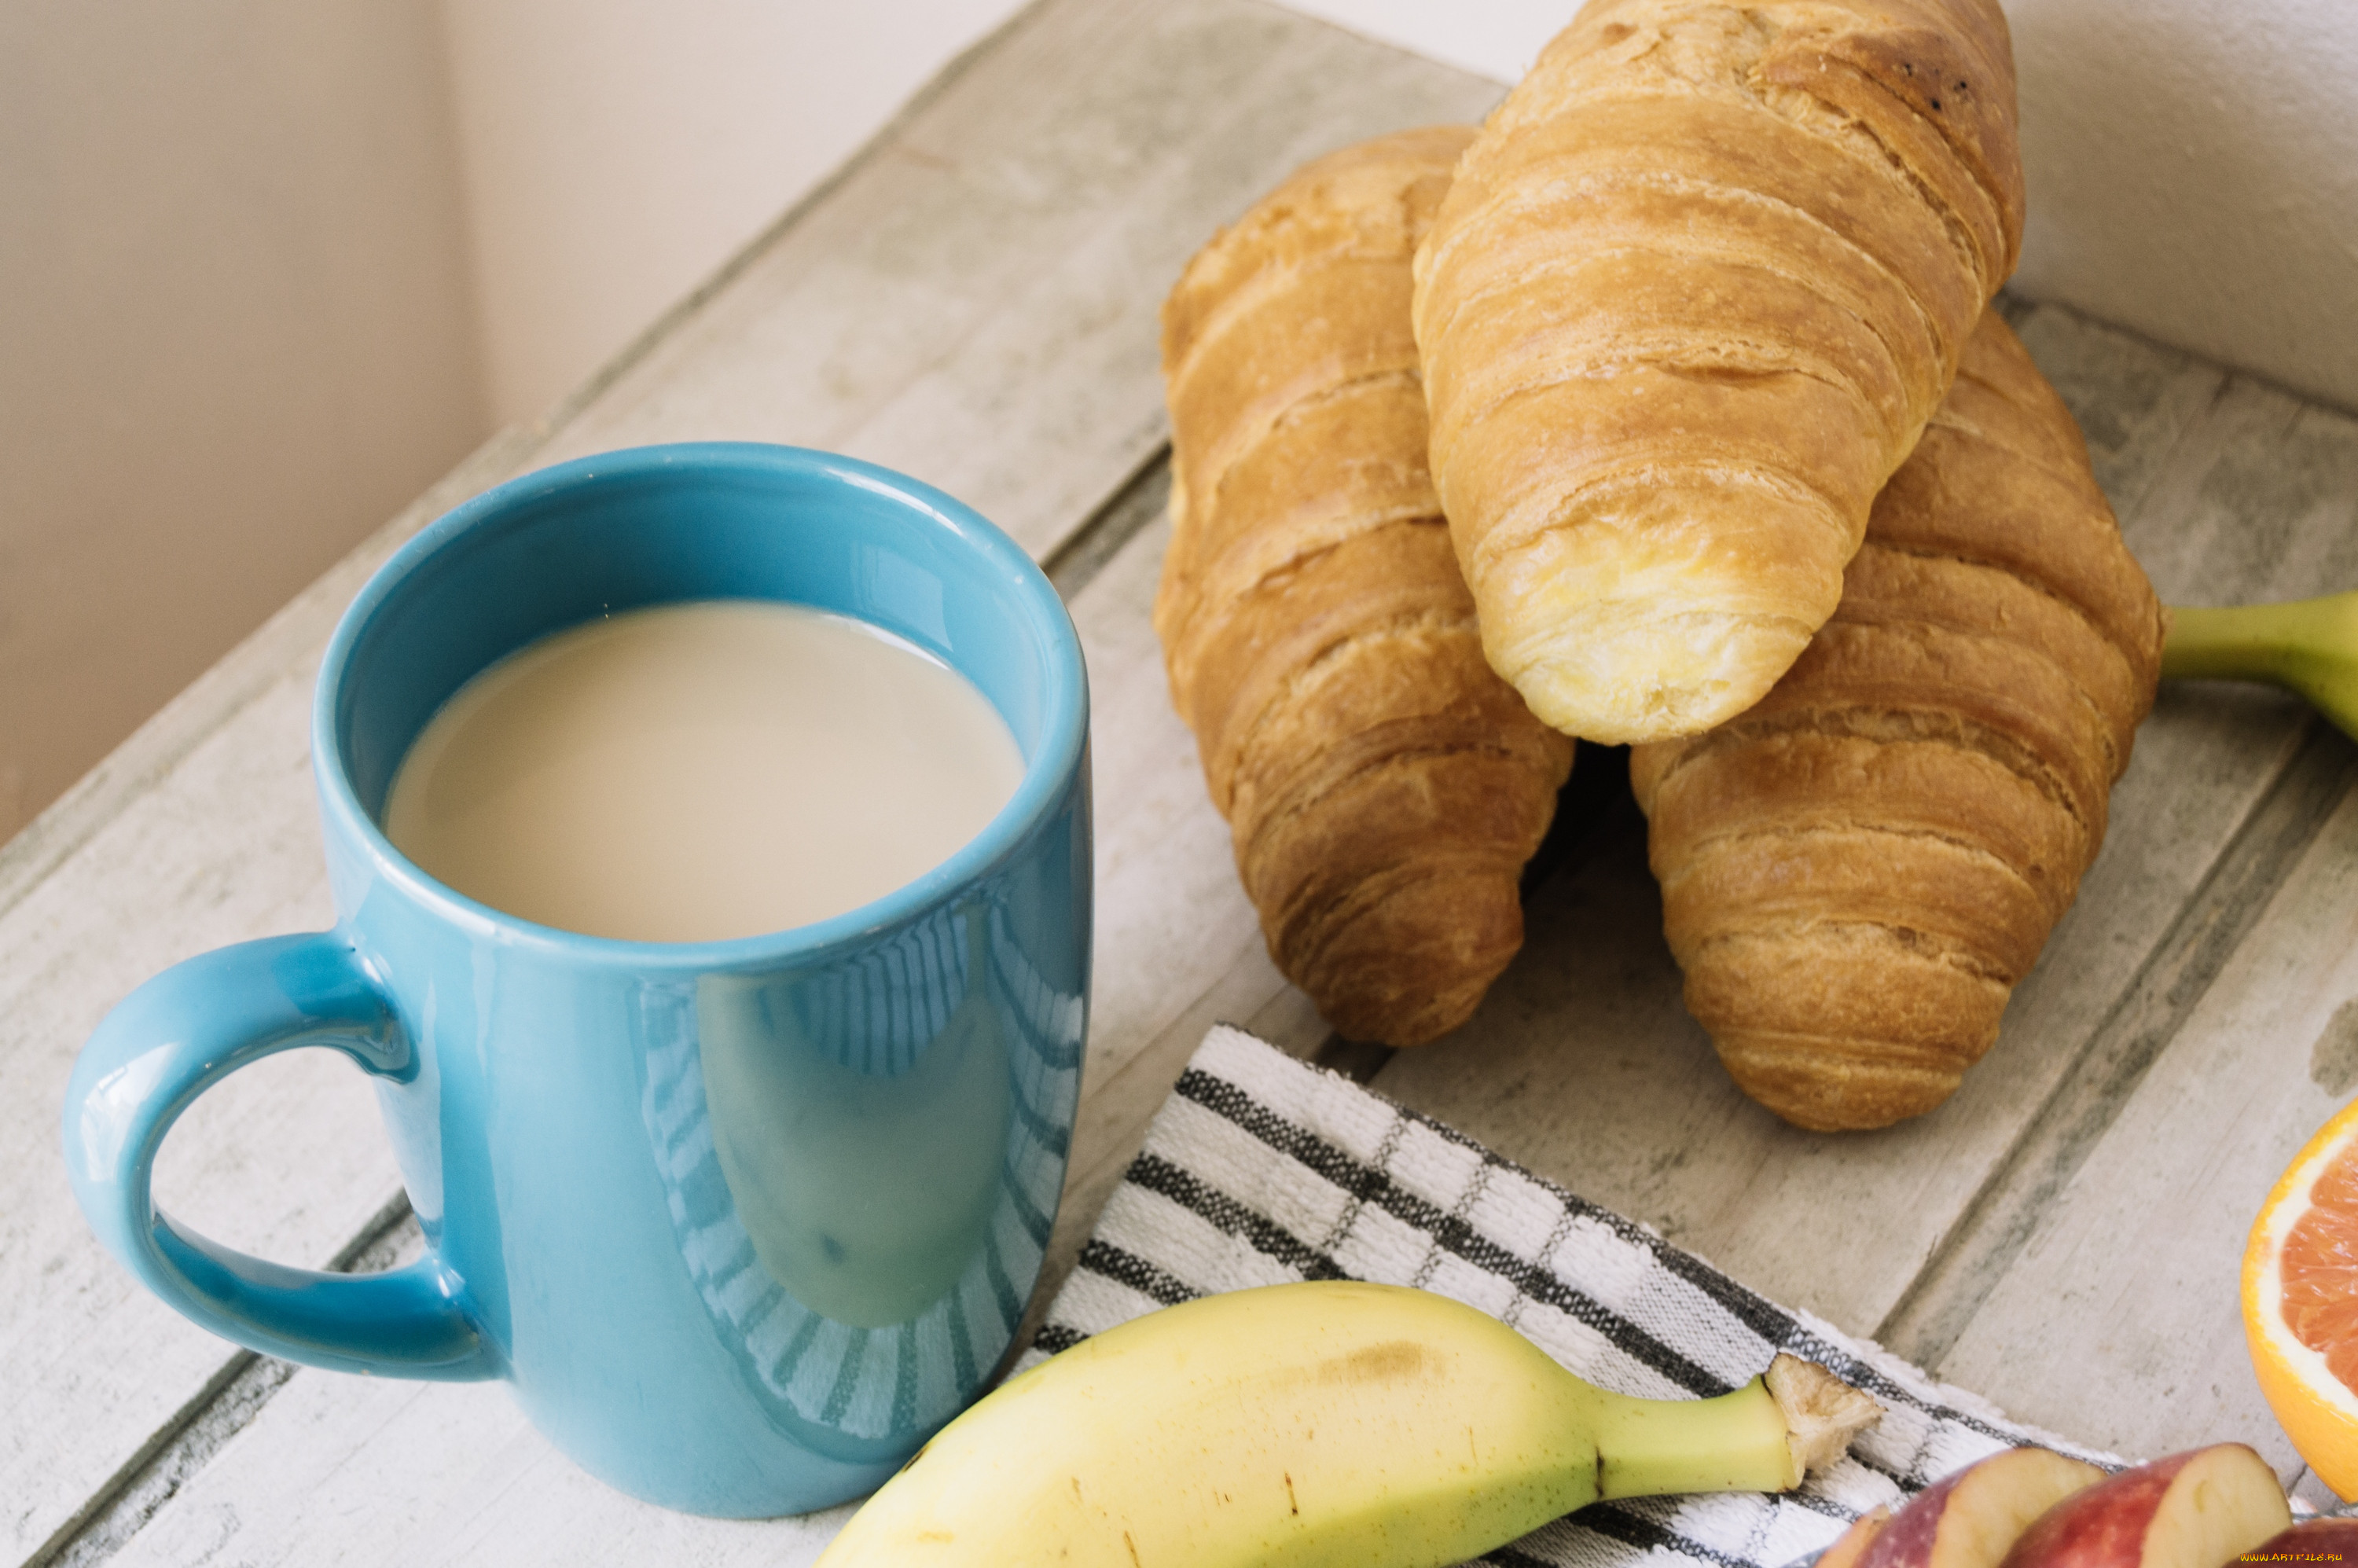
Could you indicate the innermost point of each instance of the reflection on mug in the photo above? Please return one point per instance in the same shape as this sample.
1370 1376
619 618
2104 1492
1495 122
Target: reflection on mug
866 1184
861 1163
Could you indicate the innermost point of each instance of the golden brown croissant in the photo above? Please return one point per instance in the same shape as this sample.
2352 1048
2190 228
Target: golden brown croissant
1699 283
1384 787
1857 873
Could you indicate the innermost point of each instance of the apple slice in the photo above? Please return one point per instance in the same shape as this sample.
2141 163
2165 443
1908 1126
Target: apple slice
2197 1509
1852 1544
2314 1540
1970 1519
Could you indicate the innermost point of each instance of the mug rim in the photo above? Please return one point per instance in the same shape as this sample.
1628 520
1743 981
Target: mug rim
1047 775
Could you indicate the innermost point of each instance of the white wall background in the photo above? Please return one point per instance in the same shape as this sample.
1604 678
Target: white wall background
616 151
268 266
233 336
2192 168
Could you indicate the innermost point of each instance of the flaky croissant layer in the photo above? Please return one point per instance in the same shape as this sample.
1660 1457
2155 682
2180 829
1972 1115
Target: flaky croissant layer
1857 872
1698 284
1384 787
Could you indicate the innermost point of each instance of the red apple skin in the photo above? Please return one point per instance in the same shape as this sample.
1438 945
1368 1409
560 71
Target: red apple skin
2102 1527
2108 1525
2316 1541
1908 1538
1907 1541
1982 1506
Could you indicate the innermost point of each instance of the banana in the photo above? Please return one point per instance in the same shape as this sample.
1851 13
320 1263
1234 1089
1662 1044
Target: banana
2310 646
1306 1424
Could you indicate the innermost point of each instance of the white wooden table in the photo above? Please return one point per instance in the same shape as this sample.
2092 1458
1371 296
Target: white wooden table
973 302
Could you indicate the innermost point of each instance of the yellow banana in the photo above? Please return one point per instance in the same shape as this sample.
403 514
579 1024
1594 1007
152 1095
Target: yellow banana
2310 646
1306 1424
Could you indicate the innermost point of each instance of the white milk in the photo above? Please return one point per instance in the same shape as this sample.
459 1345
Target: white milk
700 771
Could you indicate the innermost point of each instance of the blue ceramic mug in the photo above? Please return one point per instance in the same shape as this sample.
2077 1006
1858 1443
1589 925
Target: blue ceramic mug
744 1222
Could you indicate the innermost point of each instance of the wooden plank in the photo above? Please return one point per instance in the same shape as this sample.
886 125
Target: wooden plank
2130 1277
286 1157
1585 1065
2200 935
386 1469
1179 947
250 1382
2262 495
2135 400
2239 1065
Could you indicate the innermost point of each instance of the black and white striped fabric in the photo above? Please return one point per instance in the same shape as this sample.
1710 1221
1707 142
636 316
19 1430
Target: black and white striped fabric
1262 1169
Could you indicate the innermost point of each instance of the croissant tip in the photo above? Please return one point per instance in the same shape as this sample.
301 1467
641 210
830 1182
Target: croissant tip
1860 1096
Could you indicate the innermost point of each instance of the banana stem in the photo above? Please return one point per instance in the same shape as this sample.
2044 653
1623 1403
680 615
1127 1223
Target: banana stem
1737 1442
2251 641
1795 1418
2310 646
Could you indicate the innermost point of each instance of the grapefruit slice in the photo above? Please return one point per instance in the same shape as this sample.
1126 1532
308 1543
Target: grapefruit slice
2300 1302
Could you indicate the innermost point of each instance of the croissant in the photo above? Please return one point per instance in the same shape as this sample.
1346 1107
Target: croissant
1699 283
1857 873
1384 787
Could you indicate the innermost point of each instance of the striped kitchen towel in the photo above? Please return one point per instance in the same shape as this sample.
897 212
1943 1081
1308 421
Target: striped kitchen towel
1262 1169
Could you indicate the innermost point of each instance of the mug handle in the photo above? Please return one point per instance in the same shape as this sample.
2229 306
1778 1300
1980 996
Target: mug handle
174 1038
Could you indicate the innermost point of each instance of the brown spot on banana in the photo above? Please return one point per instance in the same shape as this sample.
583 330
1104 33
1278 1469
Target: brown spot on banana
1393 1361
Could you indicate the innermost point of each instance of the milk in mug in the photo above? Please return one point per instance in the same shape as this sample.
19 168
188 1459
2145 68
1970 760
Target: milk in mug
700 771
